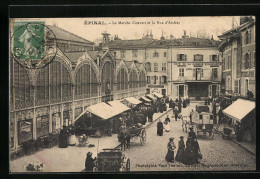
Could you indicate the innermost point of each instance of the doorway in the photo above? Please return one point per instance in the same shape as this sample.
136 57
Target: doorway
164 92
181 90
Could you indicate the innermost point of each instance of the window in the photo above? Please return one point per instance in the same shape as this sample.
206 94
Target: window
181 57
246 86
236 87
148 66
228 84
253 61
229 63
148 79
164 79
197 73
122 53
163 66
215 72
155 54
198 58
154 80
135 52
155 66
165 54
181 72
248 36
213 58
247 61
114 53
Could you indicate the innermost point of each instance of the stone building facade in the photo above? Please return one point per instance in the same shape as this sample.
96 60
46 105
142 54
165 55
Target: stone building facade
238 54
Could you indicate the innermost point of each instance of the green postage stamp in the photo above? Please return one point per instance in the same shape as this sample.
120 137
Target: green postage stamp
28 40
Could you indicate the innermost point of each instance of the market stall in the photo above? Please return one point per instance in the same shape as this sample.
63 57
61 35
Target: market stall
242 115
158 95
96 120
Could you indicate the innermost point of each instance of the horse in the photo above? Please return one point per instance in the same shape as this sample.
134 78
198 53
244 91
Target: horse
185 123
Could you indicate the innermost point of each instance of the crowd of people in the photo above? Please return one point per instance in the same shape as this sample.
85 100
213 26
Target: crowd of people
189 154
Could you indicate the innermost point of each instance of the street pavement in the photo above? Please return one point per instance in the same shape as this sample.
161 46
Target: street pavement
218 154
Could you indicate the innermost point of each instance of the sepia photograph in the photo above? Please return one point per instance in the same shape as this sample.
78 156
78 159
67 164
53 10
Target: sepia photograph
132 94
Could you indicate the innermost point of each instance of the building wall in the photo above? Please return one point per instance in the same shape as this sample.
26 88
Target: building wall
129 55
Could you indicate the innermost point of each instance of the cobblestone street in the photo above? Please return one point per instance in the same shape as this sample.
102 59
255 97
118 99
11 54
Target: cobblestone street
218 154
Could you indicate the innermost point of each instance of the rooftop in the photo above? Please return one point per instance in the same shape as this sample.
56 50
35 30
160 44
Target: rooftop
129 44
62 34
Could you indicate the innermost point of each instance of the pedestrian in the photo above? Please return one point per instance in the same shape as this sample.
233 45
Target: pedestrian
196 150
192 134
128 138
220 116
167 119
180 153
191 116
184 103
171 147
63 138
176 114
89 163
72 138
167 126
173 105
189 157
179 106
160 128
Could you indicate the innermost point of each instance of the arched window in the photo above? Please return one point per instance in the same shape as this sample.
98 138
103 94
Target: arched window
142 80
54 83
107 77
122 79
133 80
19 86
86 82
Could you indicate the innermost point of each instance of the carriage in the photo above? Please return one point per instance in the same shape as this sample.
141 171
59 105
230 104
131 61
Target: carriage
203 122
136 130
111 160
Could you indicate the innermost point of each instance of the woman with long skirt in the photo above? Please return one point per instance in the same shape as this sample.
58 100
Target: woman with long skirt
180 153
171 147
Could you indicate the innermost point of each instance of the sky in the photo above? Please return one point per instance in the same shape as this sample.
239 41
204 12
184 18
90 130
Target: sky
85 28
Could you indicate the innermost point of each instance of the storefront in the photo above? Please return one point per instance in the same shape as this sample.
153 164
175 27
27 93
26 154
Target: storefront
42 121
242 111
24 126
67 115
56 118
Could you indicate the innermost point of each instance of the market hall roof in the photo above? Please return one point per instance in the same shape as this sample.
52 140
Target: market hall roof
62 34
73 56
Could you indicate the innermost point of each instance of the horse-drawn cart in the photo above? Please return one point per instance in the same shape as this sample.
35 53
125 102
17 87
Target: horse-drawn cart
112 160
136 130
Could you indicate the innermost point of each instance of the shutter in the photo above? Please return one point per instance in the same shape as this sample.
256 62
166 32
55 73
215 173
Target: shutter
218 58
210 58
185 57
177 90
178 57
194 72
250 60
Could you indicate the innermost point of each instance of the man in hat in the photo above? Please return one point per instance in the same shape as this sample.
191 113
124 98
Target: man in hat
160 128
192 134
89 163
171 147
180 153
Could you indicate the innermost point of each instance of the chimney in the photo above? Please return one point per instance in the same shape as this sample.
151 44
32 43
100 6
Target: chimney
184 34
171 37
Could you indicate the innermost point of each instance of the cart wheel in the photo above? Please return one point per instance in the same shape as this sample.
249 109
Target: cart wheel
143 137
127 165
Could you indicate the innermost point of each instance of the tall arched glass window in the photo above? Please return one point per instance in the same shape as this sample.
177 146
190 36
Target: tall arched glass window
86 82
20 85
121 79
107 77
142 80
133 80
54 82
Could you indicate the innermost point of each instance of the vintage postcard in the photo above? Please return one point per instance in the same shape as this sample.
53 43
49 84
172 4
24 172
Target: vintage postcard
135 94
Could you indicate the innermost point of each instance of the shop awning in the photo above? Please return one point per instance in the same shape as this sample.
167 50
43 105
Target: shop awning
151 97
101 110
158 95
239 109
117 105
146 99
133 100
